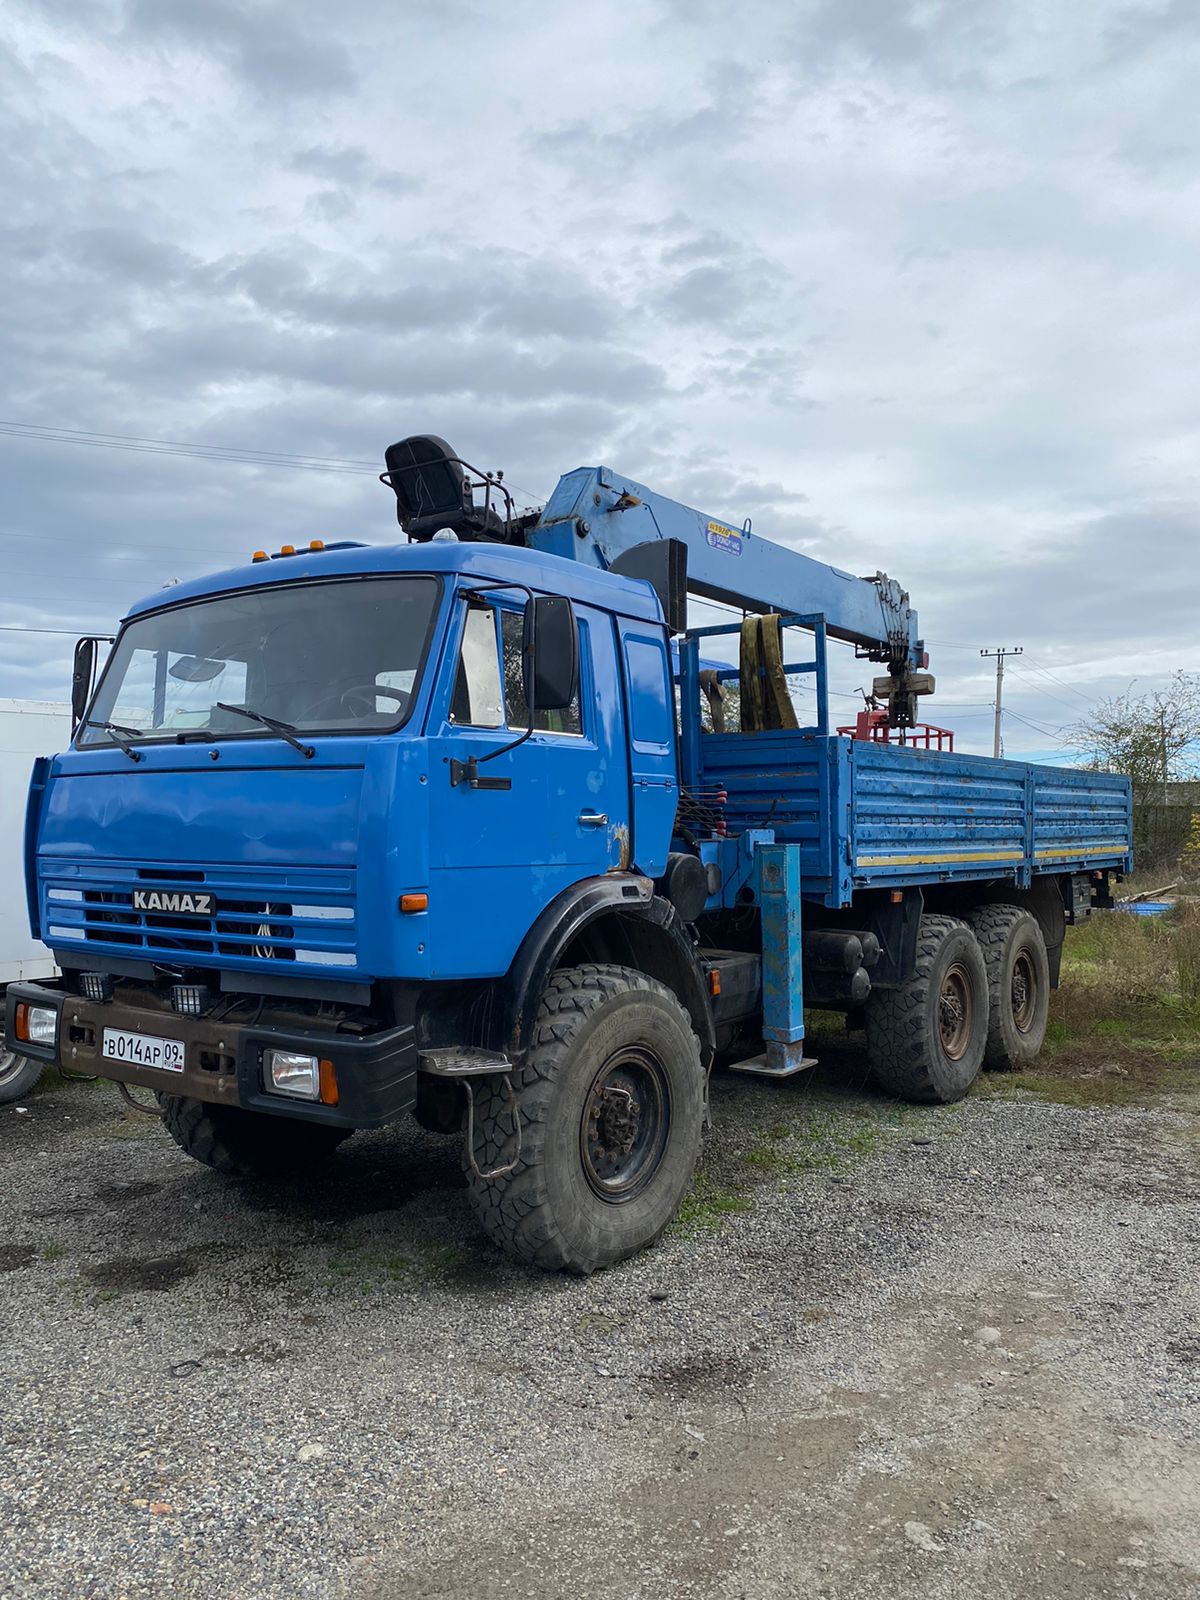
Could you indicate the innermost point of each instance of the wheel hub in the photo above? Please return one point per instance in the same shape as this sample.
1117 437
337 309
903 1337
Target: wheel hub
956 1012
623 1129
1024 993
615 1116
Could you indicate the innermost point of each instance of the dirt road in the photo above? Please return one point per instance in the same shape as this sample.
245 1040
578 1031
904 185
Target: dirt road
889 1352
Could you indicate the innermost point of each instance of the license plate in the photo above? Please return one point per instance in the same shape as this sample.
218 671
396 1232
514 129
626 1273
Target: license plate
143 1050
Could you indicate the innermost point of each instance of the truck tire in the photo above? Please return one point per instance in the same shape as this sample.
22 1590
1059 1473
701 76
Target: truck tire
18 1074
926 1038
611 1104
1018 973
247 1144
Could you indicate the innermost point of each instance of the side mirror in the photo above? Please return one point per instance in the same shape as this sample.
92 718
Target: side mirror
550 653
83 676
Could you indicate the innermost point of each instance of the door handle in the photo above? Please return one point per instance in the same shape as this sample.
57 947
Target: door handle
593 819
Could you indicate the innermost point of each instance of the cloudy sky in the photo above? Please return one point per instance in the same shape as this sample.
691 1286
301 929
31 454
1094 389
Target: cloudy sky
911 285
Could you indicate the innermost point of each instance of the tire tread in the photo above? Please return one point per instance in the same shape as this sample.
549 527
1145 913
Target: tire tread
897 1033
516 1213
246 1144
993 925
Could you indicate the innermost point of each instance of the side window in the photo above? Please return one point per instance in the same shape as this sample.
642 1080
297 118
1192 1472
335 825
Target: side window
650 698
478 700
512 631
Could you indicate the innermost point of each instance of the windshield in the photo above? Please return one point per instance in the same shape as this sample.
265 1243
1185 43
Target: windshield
340 656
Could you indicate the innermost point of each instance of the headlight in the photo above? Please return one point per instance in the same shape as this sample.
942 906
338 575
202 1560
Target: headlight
290 1073
36 1024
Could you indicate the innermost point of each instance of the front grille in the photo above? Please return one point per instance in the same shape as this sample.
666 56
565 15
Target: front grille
261 915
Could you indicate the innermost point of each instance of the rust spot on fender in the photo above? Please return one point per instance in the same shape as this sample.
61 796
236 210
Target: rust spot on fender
618 835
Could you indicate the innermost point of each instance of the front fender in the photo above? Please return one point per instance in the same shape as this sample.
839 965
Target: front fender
641 929
615 919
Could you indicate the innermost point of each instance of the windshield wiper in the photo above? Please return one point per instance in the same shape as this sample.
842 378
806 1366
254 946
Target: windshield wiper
283 729
120 736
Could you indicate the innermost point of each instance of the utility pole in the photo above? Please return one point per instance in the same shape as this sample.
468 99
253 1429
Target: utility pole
1166 760
1015 650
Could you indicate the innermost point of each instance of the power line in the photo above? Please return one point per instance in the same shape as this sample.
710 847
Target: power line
71 633
1039 688
1060 681
38 429
142 444
244 458
1051 733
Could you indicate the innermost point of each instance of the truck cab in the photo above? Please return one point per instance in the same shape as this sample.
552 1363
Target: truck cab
311 846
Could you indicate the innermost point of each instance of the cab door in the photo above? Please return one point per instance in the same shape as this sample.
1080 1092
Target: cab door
650 712
545 814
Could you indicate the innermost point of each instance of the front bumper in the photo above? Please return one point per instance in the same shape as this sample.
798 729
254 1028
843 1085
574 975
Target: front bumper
376 1073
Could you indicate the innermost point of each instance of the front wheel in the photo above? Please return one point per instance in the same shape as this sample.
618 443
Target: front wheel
610 1105
18 1074
926 1038
247 1144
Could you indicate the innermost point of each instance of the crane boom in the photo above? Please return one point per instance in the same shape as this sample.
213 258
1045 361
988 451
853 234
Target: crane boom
610 522
597 516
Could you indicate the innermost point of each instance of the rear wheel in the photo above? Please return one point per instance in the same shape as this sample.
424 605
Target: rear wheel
609 1104
926 1038
1018 972
18 1074
247 1144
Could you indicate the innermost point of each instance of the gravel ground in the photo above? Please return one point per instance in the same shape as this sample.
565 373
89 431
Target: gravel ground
951 1352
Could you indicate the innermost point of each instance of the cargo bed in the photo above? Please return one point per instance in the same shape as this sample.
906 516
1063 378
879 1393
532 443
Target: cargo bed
870 815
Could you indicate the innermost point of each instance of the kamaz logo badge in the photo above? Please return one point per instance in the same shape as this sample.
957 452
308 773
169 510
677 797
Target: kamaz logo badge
174 902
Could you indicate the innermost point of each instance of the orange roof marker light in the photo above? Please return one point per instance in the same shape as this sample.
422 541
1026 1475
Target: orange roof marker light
260 555
287 549
316 544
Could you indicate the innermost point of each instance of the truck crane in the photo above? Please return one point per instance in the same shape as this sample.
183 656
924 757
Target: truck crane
457 828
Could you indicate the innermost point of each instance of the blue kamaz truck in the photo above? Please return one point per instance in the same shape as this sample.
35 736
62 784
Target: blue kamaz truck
469 828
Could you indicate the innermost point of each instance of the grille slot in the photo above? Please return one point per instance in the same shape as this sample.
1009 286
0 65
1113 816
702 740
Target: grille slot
313 922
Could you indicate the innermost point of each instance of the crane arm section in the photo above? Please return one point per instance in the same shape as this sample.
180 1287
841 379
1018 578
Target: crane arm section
595 515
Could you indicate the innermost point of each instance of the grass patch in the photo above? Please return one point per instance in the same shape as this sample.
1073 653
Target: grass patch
832 1140
708 1204
53 1252
134 1126
1125 1024
830 1143
1103 1087
370 1269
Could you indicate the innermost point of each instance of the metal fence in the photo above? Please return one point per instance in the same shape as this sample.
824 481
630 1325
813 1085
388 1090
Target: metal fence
1159 834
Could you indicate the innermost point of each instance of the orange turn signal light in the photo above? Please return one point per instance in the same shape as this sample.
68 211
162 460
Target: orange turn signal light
329 1084
897 896
714 982
414 902
21 1022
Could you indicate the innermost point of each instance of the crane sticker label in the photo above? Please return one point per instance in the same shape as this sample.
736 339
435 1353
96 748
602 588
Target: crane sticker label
723 538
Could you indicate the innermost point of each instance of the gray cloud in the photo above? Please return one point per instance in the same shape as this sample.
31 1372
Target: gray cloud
909 285
264 44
